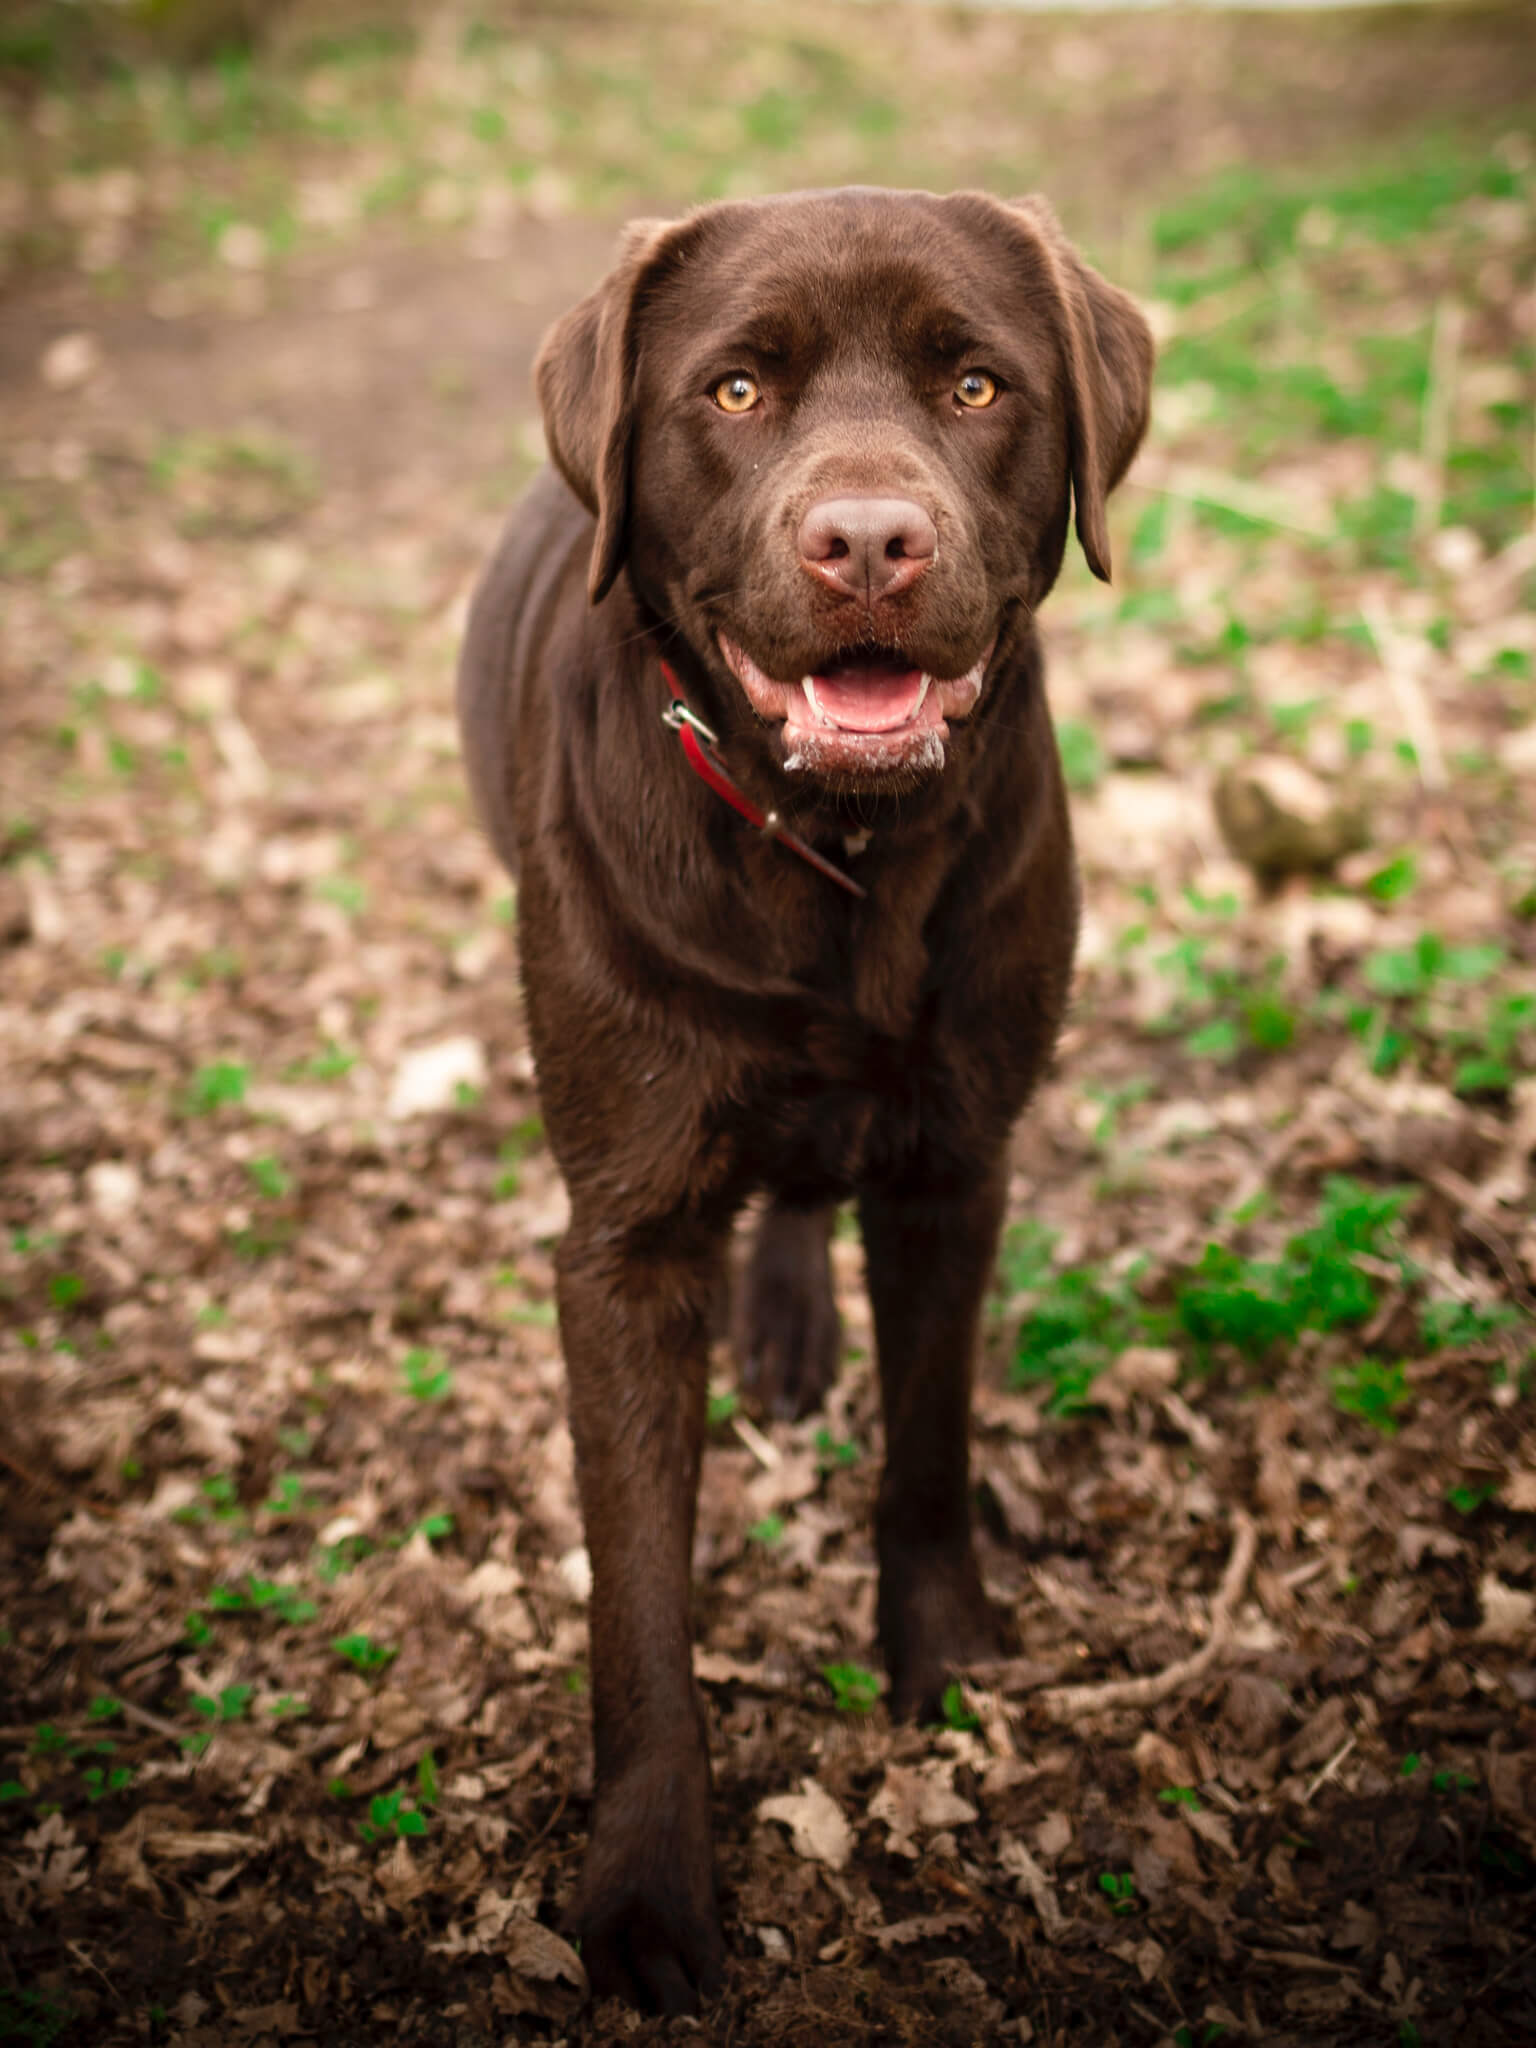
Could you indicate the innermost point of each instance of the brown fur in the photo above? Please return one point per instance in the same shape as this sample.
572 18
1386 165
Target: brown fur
710 1017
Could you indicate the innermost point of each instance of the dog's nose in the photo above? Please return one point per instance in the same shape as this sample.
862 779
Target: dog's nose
867 547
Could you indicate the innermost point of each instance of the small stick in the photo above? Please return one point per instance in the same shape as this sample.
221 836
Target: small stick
1262 502
1477 1218
767 1454
1400 664
1329 1770
1074 1702
1439 401
156 1722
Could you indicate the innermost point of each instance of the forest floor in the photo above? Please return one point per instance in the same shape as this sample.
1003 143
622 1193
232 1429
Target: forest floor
293 1726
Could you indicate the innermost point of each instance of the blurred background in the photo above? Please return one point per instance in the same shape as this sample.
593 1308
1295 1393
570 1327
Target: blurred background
291 1580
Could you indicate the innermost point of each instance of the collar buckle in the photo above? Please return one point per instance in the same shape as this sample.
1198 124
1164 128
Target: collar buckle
677 716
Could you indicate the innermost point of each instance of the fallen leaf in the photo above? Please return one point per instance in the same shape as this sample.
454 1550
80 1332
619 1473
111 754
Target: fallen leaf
817 1828
428 1079
534 1950
1508 1614
58 1858
1013 1857
916 1797
70 361
924 1927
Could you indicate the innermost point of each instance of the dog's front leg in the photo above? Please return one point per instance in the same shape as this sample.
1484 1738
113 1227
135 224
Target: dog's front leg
635 1328
929 1247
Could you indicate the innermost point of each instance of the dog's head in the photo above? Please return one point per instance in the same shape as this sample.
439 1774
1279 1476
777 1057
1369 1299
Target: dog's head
834 438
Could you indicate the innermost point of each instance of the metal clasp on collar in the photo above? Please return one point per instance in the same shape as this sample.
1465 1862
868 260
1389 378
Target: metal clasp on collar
677 715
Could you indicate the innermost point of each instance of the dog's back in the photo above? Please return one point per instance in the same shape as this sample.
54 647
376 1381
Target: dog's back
542 551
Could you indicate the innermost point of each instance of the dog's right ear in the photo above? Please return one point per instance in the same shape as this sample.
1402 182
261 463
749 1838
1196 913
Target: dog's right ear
585 378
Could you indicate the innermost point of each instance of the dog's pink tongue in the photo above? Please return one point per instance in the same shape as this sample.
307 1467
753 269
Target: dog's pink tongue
869 699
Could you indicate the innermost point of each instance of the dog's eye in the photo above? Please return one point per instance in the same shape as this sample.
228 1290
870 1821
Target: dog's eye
976 388
737 394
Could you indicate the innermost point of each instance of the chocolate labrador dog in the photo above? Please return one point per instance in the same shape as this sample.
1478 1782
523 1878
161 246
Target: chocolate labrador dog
752 708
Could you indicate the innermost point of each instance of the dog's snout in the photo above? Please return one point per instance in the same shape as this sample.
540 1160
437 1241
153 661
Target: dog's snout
867 547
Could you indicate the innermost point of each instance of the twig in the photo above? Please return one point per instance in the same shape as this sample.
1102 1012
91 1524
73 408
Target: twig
1074 1702
241 756
1439 402
90 1962
1400 658
1299 1959
1476 1219
767 1454
1275 1155
146 1719
1260 502
1200 1433
1329 1770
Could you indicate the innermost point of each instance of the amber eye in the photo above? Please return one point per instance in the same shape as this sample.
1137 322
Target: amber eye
737 394
976 388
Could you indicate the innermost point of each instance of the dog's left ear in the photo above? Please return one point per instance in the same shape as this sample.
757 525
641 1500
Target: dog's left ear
585 377
1108 353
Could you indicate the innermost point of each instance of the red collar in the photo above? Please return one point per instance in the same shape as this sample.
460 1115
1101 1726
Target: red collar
698 744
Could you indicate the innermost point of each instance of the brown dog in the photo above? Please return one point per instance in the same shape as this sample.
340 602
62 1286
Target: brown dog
815 455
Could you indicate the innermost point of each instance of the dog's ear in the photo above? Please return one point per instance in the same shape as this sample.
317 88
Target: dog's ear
585 378
1108 355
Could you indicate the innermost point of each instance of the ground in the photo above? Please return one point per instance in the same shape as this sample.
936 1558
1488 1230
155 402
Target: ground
293 1728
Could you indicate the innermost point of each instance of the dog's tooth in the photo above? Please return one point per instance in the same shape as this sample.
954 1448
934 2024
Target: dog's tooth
808 684
921 695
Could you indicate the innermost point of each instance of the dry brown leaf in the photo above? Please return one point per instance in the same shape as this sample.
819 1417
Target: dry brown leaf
714 1667
181 1845
917 1798
56 1858
1509 1615
1054 1834
1145 1957
534 1950
924 1927
817 1828
1214 1828
1015 1859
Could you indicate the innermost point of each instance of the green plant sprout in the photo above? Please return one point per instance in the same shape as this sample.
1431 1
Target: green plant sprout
362 1653
854 1689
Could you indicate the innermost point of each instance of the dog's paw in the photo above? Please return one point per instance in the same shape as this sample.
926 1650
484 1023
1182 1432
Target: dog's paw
787 1334
645 1915
934 1619
650 1949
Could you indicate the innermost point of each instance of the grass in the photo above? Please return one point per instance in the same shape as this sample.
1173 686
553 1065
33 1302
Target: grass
426 1375
219 1085
1233 1308
1374 1392
242 484
1424 1010
957 1714
391 1815
1252 269
263 1596
855 1690
1318 1283
363 1653
1119 1887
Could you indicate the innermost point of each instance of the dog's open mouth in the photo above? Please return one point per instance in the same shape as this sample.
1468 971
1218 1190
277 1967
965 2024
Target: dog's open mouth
869 709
